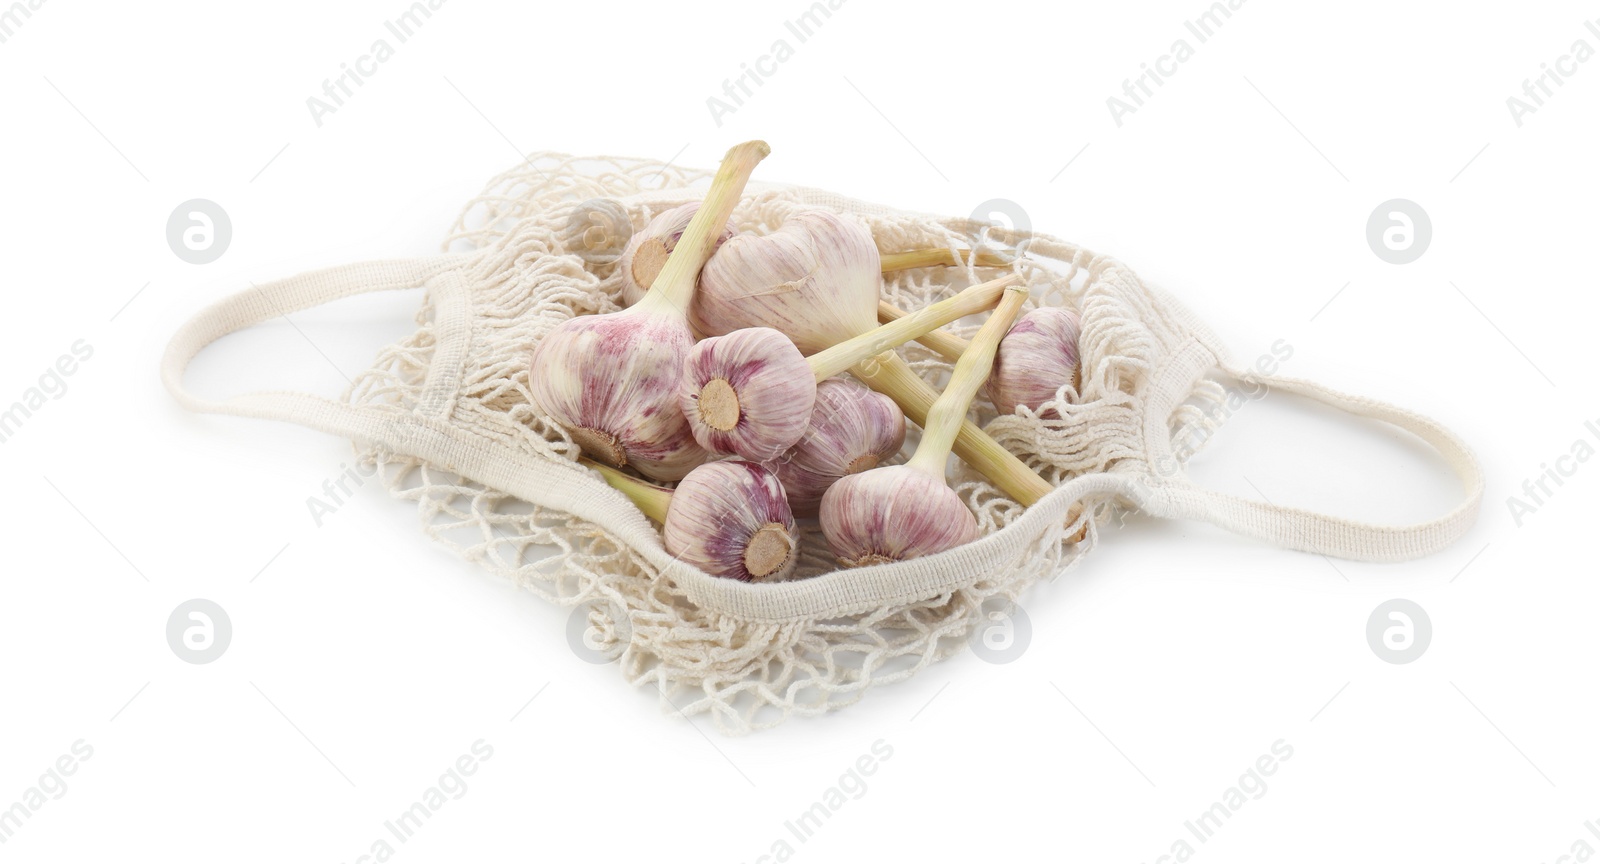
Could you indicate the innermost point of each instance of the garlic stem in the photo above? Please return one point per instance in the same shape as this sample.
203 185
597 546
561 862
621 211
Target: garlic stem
651 500
831 361
938 257
946 345
674 285
892 377
950 411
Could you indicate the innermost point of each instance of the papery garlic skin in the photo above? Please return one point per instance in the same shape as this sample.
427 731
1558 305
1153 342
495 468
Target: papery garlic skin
852 429
647 250
749 393
731 519
612 382
1038 356
894 513
815 278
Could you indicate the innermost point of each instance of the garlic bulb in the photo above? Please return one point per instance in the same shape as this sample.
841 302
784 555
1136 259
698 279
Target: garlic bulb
793 284
601 378
907 511
750 392
894 513
815 278
647 251
732 519
611 381
851 430
727 518
1036 359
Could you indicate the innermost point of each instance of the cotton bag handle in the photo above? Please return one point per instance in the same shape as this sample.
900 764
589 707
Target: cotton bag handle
273 299
1306 530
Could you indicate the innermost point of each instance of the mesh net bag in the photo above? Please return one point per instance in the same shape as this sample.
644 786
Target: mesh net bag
447 416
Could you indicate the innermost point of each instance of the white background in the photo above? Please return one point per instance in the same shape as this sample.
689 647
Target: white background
365 659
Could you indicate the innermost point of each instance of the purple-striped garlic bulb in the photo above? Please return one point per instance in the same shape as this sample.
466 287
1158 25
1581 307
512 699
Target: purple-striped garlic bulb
1036 359
901 512
750 393
816 278
647 250
729 519
852 429
611 381
894 513
732 519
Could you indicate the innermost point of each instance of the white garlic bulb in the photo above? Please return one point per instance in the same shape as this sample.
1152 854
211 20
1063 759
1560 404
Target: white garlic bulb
748 393
815 278
603 377
731 519
894 513
646 251
1036 359
851 430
